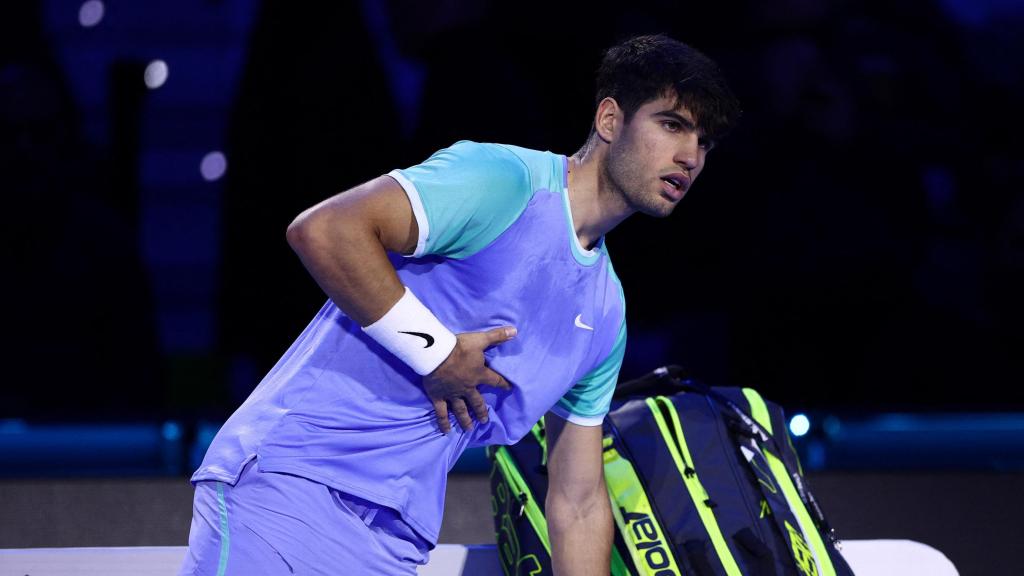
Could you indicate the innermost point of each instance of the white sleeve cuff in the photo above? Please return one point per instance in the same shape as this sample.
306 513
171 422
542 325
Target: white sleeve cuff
417 210
576 418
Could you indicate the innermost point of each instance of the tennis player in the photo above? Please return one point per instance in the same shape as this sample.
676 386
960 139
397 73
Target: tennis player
469 296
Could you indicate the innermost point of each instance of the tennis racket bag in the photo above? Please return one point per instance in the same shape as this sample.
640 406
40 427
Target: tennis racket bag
701 480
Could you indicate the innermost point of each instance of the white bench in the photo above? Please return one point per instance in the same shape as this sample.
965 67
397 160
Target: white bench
866 557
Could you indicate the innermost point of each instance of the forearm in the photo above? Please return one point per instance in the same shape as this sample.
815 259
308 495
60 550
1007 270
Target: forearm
581 535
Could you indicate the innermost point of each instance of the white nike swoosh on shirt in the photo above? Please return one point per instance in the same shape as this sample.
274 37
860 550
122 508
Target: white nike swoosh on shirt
580 324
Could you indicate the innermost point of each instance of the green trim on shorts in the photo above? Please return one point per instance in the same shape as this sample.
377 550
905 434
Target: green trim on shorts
225 536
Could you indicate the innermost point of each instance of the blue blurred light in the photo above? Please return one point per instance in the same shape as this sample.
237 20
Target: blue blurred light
156 74
13 426
799 425
816 455
91 13
832 425
171 431
213 166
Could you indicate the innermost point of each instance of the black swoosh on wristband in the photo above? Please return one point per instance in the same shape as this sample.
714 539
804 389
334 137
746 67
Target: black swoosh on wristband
427 337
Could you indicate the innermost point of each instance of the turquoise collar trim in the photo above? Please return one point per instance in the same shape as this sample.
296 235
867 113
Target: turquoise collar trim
583 256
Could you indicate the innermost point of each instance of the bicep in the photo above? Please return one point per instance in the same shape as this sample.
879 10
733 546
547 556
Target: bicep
379 206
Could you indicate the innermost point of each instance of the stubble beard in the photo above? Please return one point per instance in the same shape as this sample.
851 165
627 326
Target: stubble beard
626 179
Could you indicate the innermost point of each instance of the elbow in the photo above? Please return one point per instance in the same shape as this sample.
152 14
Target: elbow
297 233
316 232
580 508
306 230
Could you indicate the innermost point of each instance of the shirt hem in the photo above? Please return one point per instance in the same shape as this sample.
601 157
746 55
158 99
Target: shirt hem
207 473
275 465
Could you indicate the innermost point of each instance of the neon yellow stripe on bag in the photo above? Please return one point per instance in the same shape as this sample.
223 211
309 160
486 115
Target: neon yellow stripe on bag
697 492
538 434
644 537
799 466
618 565
519 486
758 409
807 527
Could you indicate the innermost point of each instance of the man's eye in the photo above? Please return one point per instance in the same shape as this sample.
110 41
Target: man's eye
671 126
706 144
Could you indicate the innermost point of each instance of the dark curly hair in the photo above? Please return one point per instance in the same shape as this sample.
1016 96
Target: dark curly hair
645 68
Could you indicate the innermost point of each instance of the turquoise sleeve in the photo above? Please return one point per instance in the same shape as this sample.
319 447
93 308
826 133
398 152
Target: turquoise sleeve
589 400
465 196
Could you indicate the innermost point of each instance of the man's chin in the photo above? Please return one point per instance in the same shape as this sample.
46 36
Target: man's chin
660 210
654 205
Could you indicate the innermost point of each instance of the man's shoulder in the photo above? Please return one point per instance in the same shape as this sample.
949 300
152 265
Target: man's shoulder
541 168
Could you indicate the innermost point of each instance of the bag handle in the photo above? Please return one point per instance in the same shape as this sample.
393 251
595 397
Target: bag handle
669 379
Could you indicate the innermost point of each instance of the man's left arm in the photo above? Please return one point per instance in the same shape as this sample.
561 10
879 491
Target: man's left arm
578 513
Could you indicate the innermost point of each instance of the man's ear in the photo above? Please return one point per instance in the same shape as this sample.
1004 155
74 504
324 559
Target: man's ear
608 120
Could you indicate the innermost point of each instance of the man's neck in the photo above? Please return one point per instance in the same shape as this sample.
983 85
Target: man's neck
596 205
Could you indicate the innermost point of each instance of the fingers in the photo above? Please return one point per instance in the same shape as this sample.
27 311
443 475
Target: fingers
499 335
476 402
495 380
458 406
441 408
452 387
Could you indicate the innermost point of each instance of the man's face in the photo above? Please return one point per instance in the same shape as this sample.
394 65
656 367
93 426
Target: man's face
656 157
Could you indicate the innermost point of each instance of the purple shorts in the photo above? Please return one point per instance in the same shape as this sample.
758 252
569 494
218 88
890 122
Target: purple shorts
271 523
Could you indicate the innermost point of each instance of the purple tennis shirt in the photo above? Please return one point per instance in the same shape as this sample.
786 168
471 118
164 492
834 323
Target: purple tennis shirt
497 247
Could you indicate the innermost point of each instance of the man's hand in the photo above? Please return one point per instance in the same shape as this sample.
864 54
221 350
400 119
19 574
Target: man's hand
453 384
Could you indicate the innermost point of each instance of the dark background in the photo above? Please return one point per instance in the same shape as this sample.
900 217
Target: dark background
855 250
858 243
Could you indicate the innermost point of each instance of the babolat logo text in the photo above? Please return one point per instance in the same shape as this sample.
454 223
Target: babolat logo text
649 543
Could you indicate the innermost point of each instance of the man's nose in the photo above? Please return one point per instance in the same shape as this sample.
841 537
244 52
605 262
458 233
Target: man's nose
688 154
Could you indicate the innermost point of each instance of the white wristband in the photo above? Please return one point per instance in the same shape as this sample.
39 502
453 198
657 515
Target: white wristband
410 331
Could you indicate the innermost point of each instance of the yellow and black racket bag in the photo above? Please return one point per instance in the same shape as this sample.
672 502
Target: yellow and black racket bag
701 481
